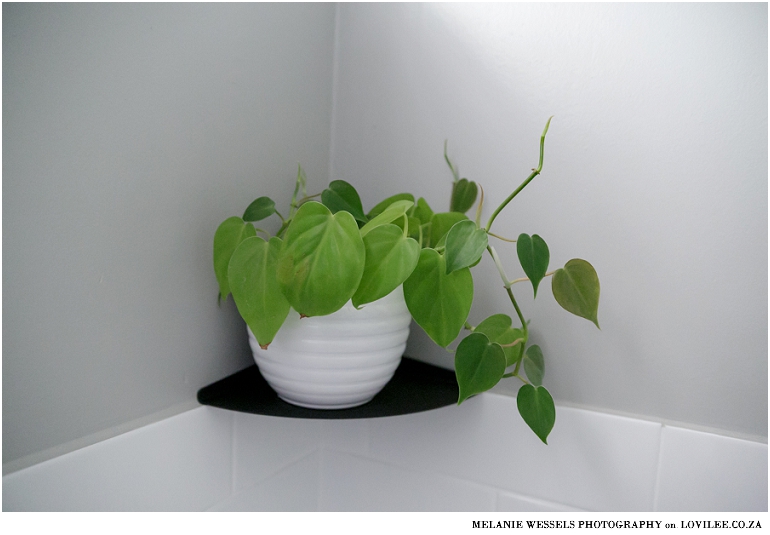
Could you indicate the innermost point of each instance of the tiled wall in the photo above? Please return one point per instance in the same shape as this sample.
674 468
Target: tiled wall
476 457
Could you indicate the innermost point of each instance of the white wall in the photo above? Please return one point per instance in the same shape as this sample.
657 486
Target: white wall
130 131
655 171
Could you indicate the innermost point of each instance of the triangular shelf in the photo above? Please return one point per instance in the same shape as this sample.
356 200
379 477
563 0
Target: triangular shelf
415 387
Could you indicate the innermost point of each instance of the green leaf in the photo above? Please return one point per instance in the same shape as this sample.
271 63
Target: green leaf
321 260
537 409
422 211
533 256
441 223
259 209
252 274
534 365
465 243
479 365
390 259
464 194
341 196
228 236
380 207
576 289
498 328
438 302
391 213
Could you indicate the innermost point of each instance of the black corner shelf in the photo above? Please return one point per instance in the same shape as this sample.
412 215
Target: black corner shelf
415 387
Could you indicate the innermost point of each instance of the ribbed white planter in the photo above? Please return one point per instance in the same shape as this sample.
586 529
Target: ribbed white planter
337 361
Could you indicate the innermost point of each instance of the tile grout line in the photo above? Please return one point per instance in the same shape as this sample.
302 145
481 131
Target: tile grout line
494 489
319 477
658 469
535 499
335 81
232 454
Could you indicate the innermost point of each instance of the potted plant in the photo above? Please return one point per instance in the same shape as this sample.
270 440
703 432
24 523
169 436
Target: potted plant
330 254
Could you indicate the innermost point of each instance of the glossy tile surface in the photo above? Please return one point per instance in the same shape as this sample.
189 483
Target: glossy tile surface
706 472
351 483
592 461
264 445
294 488
524 504
475 457
179 464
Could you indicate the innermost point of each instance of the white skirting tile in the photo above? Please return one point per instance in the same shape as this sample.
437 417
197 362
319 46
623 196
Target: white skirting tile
351 483
706 472
178 464
593 461
293 489
479 456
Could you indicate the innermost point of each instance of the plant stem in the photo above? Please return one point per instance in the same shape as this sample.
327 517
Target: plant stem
535 172
514 343
501 238
515 373
300 187
266 233
307 198
507 286
525 279
479 207
452 167
518 311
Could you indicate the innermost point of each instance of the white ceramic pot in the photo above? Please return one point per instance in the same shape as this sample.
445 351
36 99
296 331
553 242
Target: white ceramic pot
337 361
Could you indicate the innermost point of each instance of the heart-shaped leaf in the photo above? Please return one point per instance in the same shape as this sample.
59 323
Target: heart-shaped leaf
341 196
390 259
252 274
534 365
465 243
380 207
498 328
533 256
479 365
576 288
321 260
464 194
259 209
228 236
537 409
391 213
422 211
438 302
441 223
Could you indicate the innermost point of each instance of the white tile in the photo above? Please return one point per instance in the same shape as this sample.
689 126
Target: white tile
264 445
351 436
178 464
706 472
295 488
351 483
525 504
593 461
